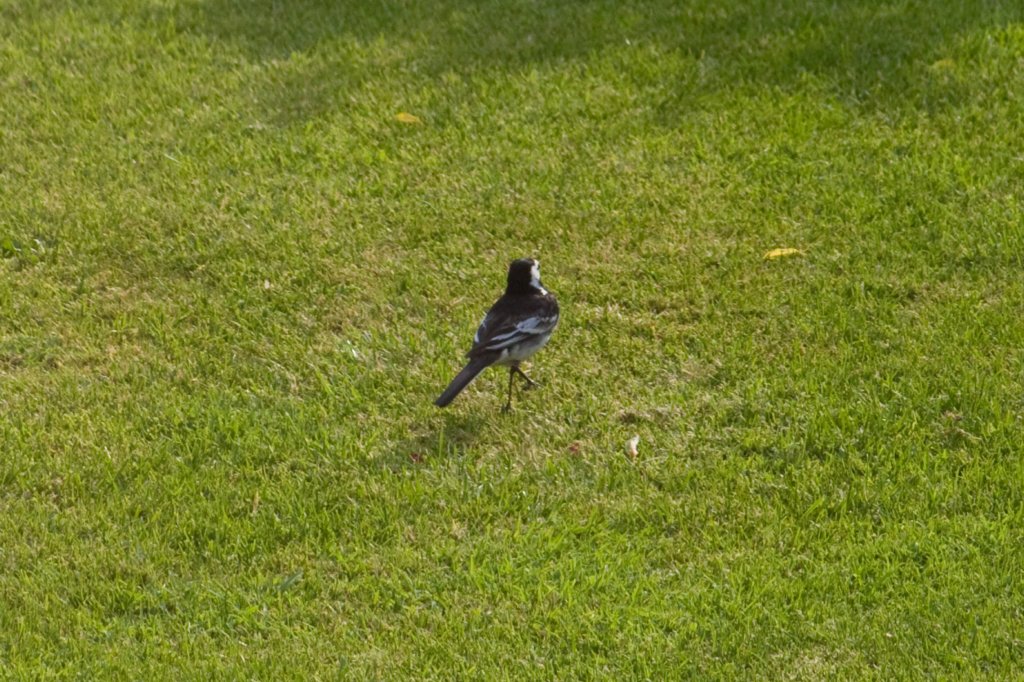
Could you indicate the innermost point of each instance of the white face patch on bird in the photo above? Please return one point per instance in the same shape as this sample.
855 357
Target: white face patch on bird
535 277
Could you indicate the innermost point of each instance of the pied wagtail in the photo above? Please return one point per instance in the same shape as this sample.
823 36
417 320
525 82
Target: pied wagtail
517 326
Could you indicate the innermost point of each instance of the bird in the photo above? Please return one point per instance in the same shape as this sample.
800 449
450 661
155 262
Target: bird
518 325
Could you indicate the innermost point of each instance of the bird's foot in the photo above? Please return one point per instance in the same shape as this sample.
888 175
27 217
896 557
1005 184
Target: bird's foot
530 383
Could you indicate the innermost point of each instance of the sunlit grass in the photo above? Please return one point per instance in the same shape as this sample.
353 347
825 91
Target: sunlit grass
232 282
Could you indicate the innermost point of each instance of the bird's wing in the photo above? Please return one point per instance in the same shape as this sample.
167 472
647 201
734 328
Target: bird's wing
498 332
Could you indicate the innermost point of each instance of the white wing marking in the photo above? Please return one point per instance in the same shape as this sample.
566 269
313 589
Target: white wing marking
524 327
531 326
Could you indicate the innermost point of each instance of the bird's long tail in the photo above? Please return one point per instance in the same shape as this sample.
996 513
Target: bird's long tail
462 379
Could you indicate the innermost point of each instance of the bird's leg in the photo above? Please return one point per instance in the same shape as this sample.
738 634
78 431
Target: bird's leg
511 373
530 383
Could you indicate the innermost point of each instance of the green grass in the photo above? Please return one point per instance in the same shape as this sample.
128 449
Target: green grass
231 284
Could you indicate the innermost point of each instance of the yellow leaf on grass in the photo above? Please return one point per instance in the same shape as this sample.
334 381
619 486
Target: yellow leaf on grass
406 117
779 253
944 65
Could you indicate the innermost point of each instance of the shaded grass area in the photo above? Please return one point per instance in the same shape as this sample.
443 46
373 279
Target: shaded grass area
231 284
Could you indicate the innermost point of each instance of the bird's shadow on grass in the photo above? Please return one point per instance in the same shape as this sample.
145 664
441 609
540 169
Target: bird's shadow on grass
442 437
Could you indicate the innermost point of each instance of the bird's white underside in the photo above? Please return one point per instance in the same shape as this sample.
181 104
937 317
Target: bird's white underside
522 351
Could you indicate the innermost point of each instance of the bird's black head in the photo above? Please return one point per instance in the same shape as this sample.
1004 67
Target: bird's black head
524 277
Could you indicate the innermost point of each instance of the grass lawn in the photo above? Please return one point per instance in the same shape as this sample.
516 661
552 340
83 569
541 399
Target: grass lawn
232 282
